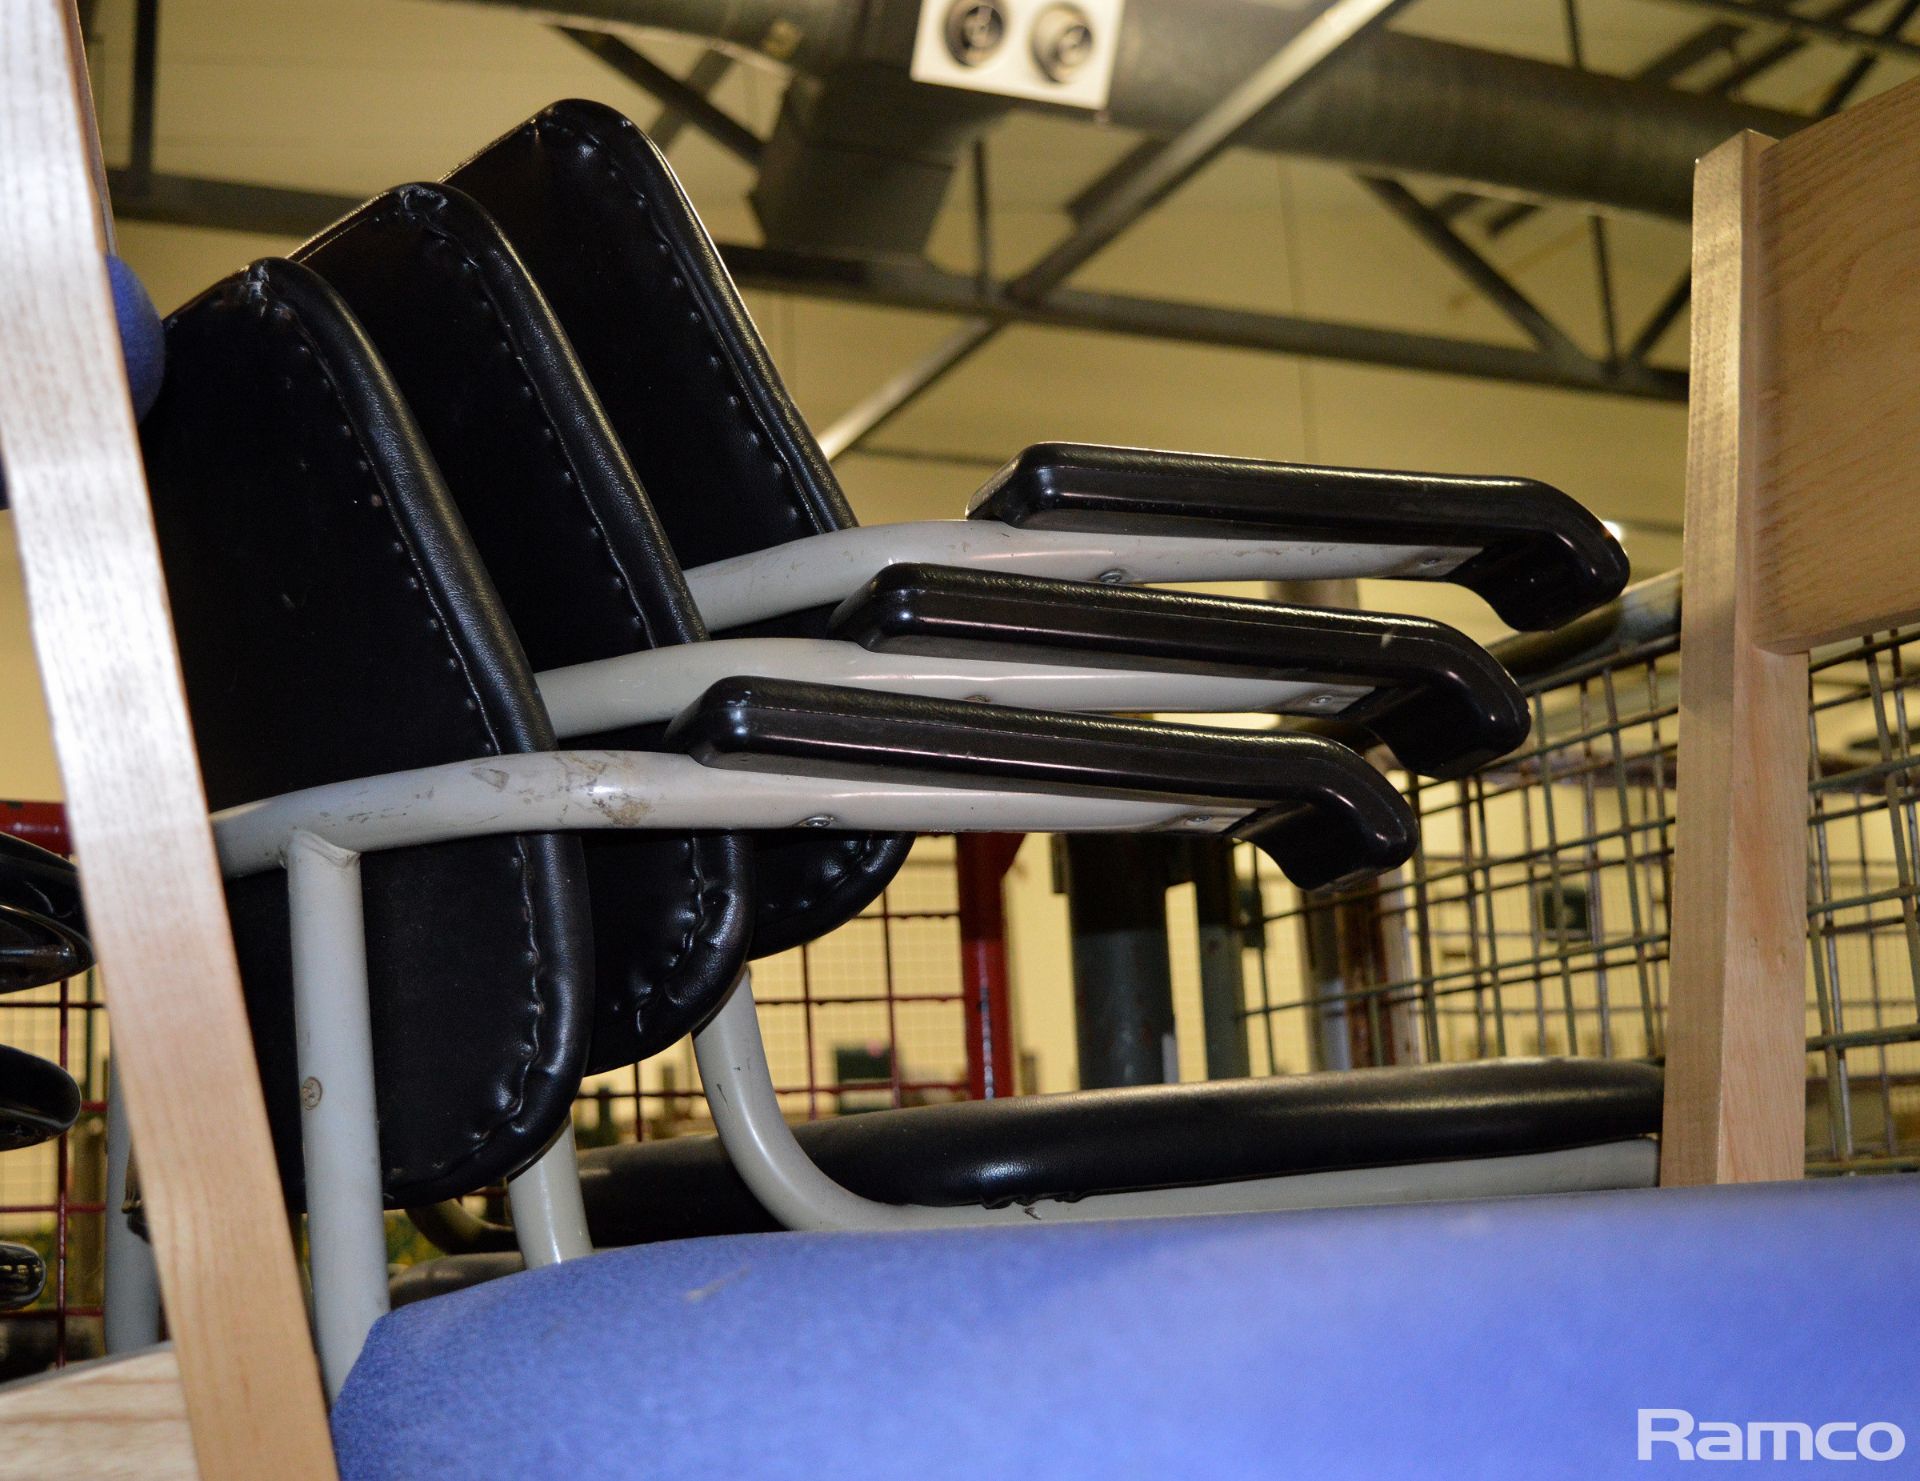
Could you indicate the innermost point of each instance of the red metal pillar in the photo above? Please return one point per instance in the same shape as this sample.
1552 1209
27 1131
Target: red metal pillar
981 863
44 823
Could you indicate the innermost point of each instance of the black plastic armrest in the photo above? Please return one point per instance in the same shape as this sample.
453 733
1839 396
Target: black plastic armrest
1436 697
1536 556
1323 814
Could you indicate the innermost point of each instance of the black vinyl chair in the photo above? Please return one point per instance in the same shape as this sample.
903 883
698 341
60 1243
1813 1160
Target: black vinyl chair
332 625
260 525
336 623
731 468
530 461
584 573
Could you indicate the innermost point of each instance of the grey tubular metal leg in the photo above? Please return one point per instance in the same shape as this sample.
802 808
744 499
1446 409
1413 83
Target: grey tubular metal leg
131 1300
746 1113
549 1216
339 1129
568 791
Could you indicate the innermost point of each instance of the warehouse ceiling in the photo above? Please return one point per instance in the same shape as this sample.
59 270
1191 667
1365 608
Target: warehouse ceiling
348 97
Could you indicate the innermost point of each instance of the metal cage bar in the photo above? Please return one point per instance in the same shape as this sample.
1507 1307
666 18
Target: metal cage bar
1534 914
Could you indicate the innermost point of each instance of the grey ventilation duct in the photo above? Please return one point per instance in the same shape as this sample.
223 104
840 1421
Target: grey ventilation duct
862 156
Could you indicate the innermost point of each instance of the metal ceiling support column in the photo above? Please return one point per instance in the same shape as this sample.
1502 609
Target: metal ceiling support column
641 70
1432 228
1135 189
1391 103
927 289
1122 968
704 77
1222 940
1808 25
146 69
1661 320
225 205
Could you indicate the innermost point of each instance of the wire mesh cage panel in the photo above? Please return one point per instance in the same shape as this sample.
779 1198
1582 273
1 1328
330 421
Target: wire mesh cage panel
1863 1087
1533 918
869 1016
53 1196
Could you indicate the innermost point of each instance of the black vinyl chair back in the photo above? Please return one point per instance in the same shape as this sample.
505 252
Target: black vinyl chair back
595 213
333 622
42 926
573 549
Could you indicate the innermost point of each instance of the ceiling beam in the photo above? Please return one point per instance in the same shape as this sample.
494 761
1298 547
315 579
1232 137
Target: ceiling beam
921 287
704 76
672 92
1818 27
225 205
1493 285
1129 191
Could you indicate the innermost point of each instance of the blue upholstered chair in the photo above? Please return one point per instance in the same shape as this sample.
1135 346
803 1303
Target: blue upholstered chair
1527 1337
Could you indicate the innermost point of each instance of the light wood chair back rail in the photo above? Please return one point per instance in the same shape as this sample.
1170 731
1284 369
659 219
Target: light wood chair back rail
139 819
1803 469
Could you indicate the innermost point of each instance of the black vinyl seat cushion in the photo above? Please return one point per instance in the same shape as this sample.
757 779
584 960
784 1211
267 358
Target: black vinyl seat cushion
333 623
992 1153
38 1099
1018 1150
575 552
594 211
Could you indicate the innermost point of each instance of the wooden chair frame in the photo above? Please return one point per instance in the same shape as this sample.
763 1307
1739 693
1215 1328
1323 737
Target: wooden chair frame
137 811
1803 461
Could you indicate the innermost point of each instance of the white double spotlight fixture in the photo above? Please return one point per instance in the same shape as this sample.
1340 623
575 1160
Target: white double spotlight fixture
1060 51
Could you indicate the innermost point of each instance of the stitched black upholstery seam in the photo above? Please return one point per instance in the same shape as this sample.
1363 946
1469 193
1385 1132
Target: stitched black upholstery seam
702 905
561 452
875 843
743 401
699 922
505 1122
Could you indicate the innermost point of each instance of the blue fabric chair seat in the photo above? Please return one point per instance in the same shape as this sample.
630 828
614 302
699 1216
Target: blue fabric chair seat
1505 1339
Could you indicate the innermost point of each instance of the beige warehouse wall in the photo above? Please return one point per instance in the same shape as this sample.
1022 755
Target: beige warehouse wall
27 770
